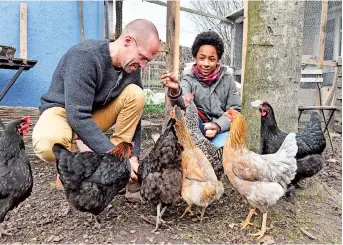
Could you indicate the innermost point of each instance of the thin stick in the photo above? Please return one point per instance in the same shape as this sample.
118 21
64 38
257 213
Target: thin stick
145 219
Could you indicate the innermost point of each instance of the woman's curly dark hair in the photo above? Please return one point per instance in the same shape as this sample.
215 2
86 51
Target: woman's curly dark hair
208 38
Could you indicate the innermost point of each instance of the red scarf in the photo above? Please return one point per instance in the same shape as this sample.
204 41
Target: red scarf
203 116
210 79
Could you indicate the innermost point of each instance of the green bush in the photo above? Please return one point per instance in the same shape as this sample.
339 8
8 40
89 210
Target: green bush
153 109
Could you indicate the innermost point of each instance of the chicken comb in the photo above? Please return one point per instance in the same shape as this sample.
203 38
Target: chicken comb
264 102
27 119
189 96
231 110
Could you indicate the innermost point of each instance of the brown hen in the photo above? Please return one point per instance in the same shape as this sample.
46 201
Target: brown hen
200 185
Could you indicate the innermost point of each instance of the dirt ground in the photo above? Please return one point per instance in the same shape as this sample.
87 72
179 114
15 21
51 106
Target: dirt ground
314 218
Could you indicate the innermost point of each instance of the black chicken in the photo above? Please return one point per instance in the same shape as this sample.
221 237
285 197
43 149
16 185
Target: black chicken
160 174
16 180
92 180
311 143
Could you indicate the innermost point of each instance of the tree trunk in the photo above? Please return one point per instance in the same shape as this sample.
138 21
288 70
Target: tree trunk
273 63
119 18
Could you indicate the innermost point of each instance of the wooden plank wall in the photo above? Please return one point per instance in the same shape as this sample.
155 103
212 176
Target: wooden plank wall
338 103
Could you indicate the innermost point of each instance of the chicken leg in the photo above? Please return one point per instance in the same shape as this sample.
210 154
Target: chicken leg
260 234
290 194
159 219
4 232
188 210
202 214
97 224
247 222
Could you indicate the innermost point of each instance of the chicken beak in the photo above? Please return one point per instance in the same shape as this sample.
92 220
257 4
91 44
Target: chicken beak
260 109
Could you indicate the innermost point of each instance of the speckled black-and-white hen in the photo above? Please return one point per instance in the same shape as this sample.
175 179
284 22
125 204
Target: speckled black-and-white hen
214 155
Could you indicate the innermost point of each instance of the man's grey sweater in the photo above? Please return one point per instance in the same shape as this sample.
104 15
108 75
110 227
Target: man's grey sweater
84 81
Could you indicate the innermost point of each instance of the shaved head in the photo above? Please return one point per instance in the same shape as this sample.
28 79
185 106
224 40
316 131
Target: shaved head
136 46
144 31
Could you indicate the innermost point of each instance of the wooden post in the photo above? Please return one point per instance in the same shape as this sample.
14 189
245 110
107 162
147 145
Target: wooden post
322 33
23 31
172 56
176 57
322 42
245 41
170 34
329 101
338 98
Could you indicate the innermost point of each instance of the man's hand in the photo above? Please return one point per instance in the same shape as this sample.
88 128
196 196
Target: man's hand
134 168
211 130
82 146
168 79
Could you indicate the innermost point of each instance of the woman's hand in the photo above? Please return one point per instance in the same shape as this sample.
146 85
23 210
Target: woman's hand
82 146
211 130
168 79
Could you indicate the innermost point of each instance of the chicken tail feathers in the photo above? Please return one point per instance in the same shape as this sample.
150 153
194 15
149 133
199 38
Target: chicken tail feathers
315 118
315 123
170 125
289 147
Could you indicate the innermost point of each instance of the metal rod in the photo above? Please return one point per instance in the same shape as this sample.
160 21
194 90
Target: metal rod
107 34
192 11
149 78
326 127
9 85
82 28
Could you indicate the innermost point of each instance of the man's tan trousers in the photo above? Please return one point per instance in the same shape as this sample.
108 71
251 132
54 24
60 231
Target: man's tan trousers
52 127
